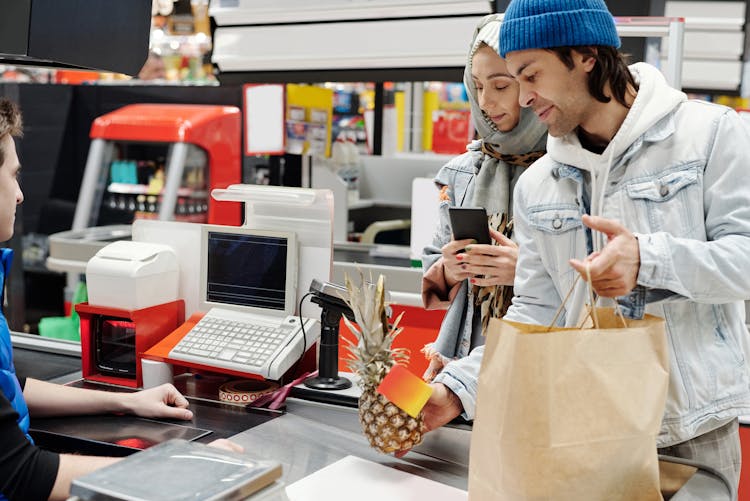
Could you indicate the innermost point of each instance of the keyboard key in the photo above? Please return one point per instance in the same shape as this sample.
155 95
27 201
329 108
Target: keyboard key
226 354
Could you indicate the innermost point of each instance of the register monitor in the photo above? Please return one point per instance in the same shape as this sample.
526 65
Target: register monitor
248 270
248 291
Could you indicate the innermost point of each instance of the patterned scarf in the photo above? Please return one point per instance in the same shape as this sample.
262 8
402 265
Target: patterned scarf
522 160
495 300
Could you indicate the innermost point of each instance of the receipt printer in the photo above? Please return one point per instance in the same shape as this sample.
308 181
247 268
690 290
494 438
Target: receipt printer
132 275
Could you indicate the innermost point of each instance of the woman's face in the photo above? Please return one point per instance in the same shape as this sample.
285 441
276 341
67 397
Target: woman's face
497 90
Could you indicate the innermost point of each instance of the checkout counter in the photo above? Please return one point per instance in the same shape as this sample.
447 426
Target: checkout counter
319 444
314 431
306 436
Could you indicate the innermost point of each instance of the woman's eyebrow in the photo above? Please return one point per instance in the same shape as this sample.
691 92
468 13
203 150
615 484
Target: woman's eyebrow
494 75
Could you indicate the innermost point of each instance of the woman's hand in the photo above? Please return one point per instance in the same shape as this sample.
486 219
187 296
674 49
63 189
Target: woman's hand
453 266
491 264
160 402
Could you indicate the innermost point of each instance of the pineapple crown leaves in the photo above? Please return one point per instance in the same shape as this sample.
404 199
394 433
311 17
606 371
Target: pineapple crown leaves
373 355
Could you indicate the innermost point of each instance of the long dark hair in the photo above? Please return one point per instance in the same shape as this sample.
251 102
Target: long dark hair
611 66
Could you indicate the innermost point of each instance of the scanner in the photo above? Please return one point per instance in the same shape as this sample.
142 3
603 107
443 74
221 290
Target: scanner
332 300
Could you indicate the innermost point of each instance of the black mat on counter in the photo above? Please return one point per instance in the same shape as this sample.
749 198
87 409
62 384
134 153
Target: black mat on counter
224 420
42 365
107 431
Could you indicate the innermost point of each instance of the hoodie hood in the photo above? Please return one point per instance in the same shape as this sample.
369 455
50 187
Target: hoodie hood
654 101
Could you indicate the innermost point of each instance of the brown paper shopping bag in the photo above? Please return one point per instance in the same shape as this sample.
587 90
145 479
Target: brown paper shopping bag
570 414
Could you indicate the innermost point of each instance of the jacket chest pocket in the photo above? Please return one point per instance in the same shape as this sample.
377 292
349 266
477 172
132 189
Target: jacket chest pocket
671 201
558 234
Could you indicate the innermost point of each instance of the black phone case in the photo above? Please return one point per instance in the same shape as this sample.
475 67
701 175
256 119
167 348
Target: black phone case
470 222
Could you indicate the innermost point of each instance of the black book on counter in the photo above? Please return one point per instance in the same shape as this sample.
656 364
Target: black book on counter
178 470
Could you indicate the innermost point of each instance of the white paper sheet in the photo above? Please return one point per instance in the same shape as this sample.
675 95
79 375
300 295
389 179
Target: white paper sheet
356 478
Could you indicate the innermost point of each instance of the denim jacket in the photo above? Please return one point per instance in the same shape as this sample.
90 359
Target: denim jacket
459 174
677 177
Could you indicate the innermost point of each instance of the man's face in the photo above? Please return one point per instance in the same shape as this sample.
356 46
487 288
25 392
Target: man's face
559 96
10 192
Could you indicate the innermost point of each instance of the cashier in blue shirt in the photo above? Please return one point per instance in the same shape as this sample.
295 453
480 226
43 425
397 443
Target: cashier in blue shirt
26 471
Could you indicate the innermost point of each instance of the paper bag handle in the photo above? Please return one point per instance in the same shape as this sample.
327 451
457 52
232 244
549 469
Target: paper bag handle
592 307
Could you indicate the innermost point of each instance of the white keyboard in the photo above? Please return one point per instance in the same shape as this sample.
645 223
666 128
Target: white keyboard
256 344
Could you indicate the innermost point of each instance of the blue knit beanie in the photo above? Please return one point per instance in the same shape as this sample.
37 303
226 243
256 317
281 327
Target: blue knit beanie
543 24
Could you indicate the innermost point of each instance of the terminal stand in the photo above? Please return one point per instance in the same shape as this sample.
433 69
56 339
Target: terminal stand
328 359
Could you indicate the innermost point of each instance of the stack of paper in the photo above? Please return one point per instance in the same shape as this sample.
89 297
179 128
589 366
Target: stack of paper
356 478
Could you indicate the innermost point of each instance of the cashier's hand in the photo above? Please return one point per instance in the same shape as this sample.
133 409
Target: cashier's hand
442 407
160 402
613 270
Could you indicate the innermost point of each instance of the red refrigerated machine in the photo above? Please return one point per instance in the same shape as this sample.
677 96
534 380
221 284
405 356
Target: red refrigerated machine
161 161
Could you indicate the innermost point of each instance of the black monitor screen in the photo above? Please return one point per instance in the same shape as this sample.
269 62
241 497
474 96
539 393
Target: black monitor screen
246 270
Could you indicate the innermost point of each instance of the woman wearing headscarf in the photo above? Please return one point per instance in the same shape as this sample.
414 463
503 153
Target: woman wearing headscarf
474 282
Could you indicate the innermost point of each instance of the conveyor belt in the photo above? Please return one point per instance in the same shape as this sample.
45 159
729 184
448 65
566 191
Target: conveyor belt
42 365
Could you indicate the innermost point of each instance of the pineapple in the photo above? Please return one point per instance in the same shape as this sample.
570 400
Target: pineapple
387 427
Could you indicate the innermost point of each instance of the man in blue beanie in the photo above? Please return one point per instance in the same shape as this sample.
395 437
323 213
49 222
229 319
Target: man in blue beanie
651 192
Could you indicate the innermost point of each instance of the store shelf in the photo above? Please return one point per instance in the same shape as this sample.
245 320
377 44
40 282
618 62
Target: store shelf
143 189
406 49
401 44
714 43
246 12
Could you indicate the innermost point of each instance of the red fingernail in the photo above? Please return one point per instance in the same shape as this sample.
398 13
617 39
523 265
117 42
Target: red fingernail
472 280
459 257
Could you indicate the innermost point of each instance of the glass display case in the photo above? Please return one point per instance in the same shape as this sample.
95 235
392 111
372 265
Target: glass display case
135 184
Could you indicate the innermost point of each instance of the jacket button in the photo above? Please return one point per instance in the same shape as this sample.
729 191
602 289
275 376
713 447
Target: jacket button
664 190
557 223
555 173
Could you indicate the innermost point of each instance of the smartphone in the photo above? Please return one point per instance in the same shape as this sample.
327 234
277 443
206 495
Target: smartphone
470 222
